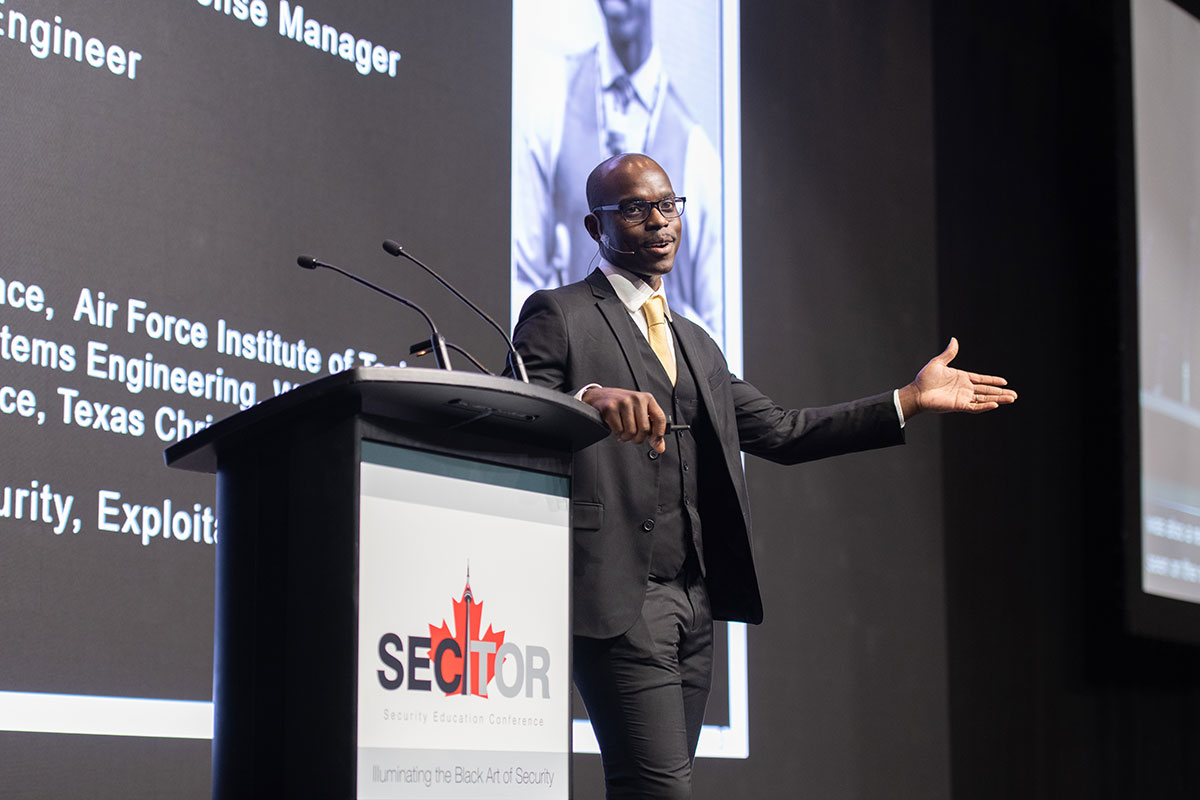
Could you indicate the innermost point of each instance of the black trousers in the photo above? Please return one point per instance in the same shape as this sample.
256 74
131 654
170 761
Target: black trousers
645 691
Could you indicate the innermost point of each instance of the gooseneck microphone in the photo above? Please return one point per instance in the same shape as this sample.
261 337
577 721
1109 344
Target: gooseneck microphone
436 342
514 358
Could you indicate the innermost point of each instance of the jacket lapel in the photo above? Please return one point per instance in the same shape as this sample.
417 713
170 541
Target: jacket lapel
617 317
695 346
692 345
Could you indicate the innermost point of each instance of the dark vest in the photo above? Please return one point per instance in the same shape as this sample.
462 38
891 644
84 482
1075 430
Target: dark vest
677 532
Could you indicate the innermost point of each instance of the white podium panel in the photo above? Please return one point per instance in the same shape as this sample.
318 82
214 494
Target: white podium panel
463 678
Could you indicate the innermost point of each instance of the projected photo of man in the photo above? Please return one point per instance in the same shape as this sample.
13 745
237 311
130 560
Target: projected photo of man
615 96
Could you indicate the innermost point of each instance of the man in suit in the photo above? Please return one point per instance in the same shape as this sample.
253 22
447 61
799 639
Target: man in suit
661 525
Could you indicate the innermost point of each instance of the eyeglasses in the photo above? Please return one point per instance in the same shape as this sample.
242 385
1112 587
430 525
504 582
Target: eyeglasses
639 210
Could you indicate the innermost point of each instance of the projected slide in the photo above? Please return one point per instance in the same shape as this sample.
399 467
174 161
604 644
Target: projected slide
1167 103
677 65
164 164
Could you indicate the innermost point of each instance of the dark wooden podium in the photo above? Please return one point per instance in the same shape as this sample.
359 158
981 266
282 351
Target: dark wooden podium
288 470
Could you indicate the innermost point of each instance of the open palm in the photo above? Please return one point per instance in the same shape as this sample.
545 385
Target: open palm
940 388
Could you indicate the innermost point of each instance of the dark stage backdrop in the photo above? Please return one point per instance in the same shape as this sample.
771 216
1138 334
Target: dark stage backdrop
840 295
1050 694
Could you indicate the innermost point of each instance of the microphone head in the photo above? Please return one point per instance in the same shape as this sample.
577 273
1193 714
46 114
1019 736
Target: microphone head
308 262
607 242
391 247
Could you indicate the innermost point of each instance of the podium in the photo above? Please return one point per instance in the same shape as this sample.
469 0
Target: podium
393 587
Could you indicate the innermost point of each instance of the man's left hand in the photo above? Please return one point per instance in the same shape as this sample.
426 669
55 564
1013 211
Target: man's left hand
941 388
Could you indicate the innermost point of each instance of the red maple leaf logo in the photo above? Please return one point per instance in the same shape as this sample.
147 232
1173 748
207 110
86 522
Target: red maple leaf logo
468 618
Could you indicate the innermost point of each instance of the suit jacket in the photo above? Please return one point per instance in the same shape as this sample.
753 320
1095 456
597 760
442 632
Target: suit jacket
581 333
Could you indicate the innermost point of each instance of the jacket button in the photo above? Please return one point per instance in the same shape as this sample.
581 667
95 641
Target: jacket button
653 454
648 525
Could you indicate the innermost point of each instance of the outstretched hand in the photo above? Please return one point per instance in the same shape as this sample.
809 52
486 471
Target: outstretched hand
941 388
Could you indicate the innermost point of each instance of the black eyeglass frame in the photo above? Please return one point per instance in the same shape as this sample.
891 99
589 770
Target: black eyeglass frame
636 205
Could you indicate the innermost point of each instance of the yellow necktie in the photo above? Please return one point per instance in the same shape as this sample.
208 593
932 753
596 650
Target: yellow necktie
656 323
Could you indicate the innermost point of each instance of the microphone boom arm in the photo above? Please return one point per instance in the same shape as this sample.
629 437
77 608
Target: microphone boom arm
440 355
514 357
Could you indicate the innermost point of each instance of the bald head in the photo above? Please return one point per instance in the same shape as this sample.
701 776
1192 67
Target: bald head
611 175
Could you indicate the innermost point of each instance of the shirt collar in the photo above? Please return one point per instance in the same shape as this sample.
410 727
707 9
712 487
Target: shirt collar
645 79
632 291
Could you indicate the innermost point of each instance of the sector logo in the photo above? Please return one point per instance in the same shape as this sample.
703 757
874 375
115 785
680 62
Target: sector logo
461 661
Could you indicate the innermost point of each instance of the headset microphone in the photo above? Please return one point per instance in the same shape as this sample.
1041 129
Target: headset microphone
604 240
